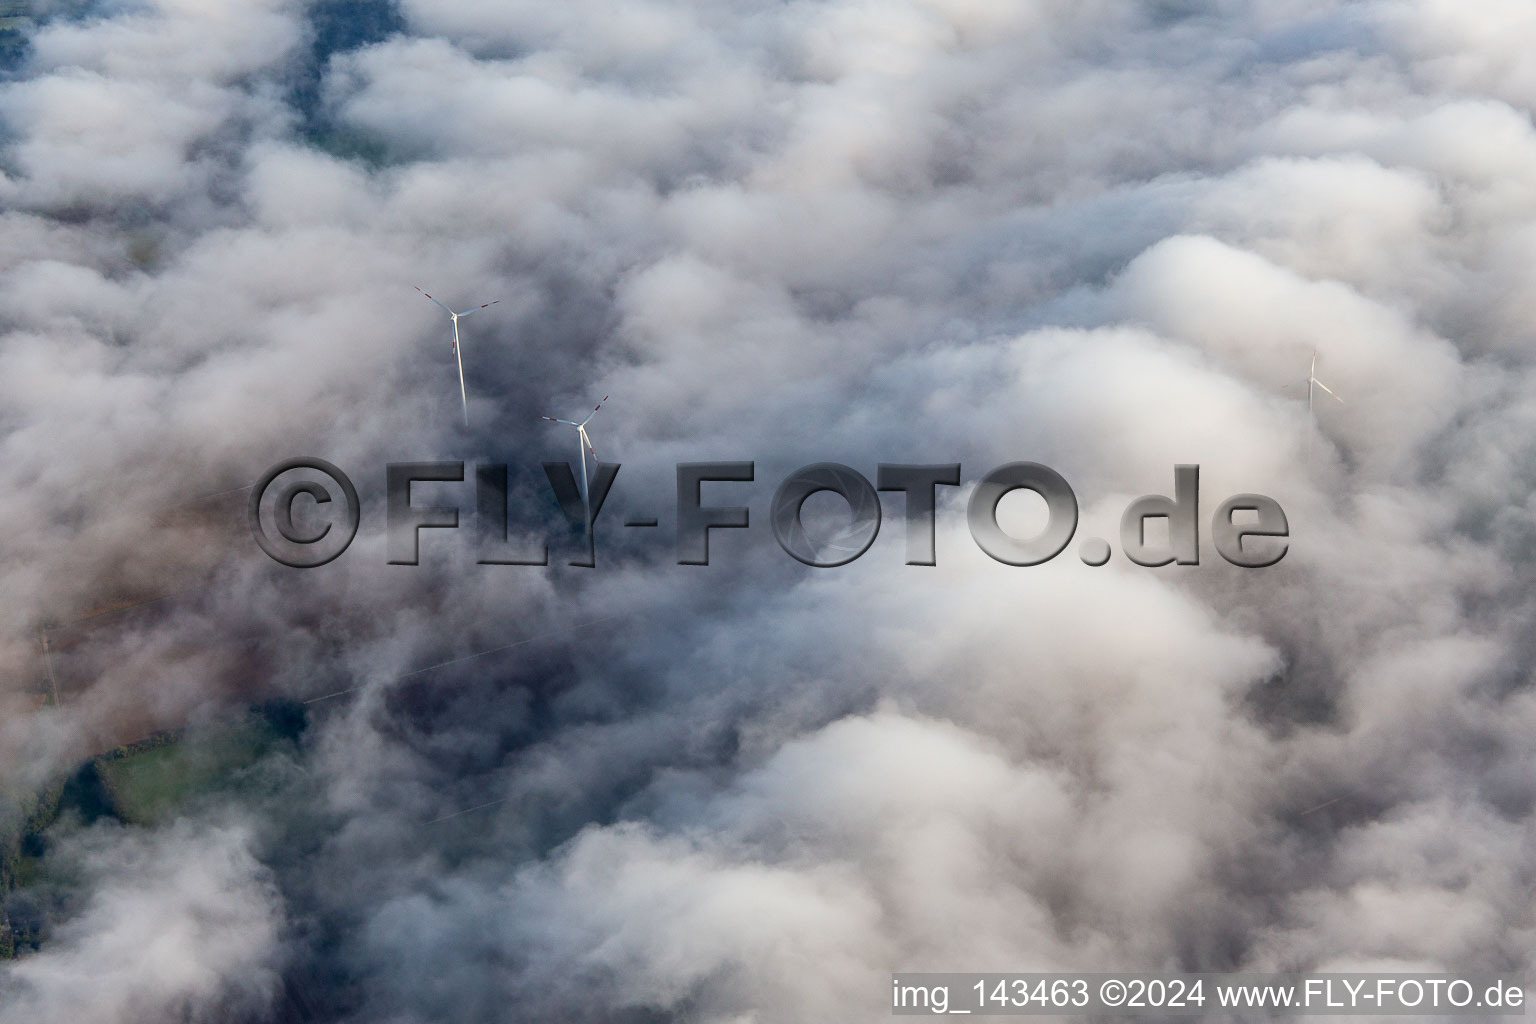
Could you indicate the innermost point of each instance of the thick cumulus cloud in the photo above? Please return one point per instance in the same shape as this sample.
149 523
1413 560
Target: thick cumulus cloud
1104 237
182 925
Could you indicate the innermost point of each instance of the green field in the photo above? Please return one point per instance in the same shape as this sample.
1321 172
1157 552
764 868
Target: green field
140 785
148 786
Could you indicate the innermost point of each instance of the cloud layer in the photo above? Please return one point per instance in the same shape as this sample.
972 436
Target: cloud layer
1103 237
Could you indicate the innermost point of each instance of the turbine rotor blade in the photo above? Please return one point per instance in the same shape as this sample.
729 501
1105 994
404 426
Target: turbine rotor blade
428 295
483 305
595 408
1326 388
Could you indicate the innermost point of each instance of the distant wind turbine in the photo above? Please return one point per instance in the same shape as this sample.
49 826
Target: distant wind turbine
586 446
463 395
1313 382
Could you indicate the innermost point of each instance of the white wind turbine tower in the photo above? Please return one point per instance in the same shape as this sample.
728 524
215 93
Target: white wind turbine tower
463 395
586 446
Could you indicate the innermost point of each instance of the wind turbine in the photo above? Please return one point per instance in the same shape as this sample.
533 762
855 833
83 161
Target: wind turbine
463 396
586 446
1313 382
